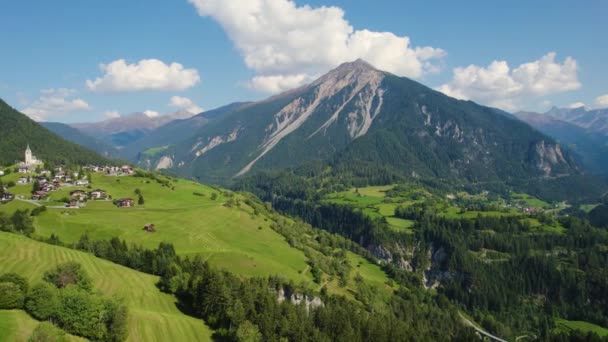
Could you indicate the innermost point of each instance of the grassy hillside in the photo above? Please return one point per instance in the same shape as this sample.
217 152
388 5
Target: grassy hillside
17 130
153 315
184 213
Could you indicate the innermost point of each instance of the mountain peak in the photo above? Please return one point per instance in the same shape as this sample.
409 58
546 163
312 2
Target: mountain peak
356 65
358 71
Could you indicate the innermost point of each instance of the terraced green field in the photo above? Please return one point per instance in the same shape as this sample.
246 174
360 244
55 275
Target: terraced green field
529 200
153 315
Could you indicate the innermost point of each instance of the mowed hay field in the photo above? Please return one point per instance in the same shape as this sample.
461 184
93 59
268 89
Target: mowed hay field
185 215
153 315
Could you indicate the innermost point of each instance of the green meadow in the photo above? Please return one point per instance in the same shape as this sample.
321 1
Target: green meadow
153 315
185 214
372 201
565 325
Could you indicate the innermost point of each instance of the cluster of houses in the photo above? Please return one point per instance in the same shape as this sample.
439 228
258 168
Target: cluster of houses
124 170
80 196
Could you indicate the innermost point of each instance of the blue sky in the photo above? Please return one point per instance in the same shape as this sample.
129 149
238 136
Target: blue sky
52 48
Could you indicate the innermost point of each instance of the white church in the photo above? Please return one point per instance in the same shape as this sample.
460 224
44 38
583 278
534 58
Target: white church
30 160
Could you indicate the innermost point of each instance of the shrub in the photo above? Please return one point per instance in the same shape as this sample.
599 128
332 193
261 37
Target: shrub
11 296
69 273
42 302
15 279
38 210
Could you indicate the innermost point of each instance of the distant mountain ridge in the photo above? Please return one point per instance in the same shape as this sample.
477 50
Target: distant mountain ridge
76 136
358 118
595 120
123 130
591 146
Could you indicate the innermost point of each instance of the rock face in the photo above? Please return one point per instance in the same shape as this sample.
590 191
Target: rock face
546 156
164 163
297 299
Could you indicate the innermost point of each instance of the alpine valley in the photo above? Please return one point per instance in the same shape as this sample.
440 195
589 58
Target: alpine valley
360 207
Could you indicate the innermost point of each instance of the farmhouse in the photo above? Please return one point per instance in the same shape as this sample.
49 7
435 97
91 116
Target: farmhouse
7 196
125 203
78 194
82 182
39 195
97 194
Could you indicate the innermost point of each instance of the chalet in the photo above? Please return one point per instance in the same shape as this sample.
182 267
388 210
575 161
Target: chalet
79 195
97 194
45 172
39 195
23 180
149 228
23 169
125 203
48 187
126 169
82 182
7 196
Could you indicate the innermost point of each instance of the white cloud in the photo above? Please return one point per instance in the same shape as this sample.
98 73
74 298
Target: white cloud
151 113
147 74
499 85
602 101
55 102
277 83
576 105
185 104
111 114
282 41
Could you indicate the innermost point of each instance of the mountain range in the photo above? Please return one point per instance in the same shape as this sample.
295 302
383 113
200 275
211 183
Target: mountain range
355 122
357 118
124 130
589 144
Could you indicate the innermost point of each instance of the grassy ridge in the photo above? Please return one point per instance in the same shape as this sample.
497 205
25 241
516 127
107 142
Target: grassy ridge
153 315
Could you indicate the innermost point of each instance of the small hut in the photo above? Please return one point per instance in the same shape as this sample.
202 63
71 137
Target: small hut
149 227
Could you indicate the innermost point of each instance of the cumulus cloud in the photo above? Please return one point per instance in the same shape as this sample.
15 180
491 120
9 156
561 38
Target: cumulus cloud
602 101
287 45
151 113
185 104
277 83
147 74
111 114
499 85
55 102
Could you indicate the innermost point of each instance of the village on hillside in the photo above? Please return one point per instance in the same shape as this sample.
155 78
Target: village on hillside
45 179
